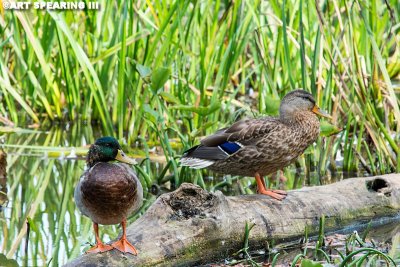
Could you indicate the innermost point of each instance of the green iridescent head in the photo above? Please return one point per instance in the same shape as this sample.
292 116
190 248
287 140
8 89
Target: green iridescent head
107 149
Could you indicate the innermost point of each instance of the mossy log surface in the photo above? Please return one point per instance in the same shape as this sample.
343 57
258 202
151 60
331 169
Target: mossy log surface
191 226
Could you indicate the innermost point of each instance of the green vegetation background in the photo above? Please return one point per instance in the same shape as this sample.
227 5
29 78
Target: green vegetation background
165 73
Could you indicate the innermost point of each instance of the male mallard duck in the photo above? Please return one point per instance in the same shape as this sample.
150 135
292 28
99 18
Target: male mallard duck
258 147
108 192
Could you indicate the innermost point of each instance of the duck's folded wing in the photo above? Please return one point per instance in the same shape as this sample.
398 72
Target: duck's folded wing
241 131
226 142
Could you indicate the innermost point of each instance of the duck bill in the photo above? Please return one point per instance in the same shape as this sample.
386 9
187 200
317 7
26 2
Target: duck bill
124 158
320 112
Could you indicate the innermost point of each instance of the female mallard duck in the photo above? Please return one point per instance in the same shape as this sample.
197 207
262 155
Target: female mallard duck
258 147
108 192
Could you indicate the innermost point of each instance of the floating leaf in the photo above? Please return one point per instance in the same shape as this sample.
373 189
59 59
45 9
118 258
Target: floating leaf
7 129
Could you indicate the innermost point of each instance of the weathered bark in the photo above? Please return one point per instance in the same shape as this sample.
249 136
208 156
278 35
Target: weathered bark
191 226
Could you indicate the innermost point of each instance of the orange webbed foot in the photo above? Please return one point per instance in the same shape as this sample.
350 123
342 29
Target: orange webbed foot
276 194
100 247
280 192
124 246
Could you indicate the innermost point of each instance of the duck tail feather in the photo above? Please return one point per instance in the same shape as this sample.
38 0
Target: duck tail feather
196 163
206 153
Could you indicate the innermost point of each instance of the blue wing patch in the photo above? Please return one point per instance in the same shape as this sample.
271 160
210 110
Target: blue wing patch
230 147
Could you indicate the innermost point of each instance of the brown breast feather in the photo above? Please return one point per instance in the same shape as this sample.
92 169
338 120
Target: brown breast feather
109 189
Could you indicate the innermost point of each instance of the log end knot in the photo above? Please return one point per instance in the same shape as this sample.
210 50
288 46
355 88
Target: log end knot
379 185
189 201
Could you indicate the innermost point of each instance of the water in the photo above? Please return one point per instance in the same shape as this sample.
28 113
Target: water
40 224
381 238
40 191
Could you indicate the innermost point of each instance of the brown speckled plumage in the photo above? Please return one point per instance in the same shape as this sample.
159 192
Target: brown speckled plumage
109 192
269 150
262 145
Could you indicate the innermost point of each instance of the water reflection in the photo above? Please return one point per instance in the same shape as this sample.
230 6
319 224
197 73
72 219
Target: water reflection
386 238
42 172
40 192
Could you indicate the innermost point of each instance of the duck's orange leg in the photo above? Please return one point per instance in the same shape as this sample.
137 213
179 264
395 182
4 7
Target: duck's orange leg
277 194
100 246
123 244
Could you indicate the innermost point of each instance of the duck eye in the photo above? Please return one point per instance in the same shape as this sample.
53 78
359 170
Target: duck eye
308 99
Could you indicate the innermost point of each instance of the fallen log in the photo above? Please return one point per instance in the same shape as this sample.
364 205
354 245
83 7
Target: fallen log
191 226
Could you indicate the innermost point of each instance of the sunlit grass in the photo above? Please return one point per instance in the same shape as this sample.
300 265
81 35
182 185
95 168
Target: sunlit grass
182 69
